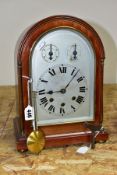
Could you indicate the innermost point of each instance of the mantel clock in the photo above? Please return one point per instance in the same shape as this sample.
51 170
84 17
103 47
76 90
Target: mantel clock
60 85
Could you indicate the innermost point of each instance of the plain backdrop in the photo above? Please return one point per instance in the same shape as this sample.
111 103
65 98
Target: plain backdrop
17 15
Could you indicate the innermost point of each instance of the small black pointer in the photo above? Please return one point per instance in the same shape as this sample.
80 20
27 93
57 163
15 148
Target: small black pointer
75 52
50 52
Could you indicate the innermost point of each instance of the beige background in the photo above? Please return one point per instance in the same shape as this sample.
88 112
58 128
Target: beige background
17 15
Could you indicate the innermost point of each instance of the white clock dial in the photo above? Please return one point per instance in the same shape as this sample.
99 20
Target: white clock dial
54 57
62 89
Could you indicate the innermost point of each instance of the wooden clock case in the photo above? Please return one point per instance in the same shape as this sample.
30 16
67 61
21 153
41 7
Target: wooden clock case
62 134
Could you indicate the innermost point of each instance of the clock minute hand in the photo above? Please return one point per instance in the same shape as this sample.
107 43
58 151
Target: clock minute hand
71 79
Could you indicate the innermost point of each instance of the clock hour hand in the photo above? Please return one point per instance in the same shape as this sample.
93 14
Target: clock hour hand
42 92
71 79
61 91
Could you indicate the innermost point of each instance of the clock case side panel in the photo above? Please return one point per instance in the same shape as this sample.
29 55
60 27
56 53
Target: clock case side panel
18 121
59 135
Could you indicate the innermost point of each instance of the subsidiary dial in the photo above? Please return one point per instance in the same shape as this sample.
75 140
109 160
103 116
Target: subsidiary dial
74 52
61 90
50 52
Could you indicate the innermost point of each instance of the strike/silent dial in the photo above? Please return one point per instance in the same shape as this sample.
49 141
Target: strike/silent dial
74 52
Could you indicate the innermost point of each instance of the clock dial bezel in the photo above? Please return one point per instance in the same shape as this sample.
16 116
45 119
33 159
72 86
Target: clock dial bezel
68 133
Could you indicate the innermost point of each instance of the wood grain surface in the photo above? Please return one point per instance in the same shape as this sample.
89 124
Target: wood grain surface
58 161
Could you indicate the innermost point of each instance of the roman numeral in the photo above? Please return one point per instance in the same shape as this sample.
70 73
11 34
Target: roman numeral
52 72
63 69
41 92
44 101
73 108
51 108
45 81
79 99
73 71
62 111
82 89
80 79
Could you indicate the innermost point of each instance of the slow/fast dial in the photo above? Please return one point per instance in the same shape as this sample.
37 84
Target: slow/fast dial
50 52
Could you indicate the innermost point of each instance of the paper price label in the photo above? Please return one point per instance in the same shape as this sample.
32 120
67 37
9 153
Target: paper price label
29 113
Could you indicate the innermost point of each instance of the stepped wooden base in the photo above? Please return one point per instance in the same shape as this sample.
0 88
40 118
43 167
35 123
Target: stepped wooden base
59 139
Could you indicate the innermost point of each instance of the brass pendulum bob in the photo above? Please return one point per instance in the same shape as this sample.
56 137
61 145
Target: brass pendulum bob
36 141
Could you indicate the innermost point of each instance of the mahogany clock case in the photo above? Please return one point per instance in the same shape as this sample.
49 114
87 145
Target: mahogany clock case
67 133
